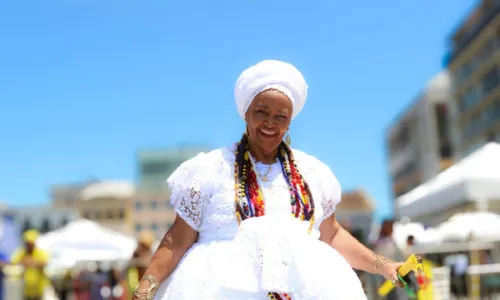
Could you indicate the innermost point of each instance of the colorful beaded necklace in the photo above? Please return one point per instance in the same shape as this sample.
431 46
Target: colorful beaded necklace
249 198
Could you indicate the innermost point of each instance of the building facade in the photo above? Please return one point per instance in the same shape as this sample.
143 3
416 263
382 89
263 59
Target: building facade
420 141
151 205
66 195
474 63
42 218
355 213
108 203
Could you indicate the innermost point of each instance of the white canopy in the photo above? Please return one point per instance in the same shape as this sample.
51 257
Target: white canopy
418 231
474 178
484 226
86 240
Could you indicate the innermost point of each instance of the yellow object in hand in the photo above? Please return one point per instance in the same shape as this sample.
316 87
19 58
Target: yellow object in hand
411 264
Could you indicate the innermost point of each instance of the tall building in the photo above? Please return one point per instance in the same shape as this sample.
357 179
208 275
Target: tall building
419 142
152 209
156 165
474 64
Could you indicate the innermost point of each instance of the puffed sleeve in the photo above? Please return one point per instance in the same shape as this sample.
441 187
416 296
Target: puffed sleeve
331 191
190 190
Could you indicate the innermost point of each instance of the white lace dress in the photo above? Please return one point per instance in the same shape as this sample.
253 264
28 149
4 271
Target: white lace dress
273 253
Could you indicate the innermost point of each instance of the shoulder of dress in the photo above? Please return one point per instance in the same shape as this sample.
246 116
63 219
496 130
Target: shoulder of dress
202 165
306 160
314 166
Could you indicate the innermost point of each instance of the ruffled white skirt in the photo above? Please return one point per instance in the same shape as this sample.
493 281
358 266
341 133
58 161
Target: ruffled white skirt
269 254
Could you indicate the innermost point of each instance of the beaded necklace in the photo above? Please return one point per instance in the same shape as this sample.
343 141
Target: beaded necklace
249 198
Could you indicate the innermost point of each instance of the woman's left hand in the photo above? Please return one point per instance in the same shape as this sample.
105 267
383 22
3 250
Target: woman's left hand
390 272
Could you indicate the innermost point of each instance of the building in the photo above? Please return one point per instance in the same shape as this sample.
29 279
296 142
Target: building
42 218
420 141
66 195
154 166
355 213
108 203
152 209
474 64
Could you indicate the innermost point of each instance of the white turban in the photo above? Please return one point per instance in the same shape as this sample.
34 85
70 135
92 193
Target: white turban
270 74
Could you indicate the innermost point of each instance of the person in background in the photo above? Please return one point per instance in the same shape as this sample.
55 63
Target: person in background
140 259
118 285
97 281
64 285
4 260
33 260
410 242
386 246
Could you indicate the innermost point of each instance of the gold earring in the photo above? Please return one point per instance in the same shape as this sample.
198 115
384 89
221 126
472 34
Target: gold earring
288 140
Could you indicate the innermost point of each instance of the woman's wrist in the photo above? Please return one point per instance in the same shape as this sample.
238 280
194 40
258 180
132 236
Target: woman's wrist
147 287
379 263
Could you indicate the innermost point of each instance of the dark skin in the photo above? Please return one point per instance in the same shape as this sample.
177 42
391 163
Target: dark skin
268 119
270 112
28 261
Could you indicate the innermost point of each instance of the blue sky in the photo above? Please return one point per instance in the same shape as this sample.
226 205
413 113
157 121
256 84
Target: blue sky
85 84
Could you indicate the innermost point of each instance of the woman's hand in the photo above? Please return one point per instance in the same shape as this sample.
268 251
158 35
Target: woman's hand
390 271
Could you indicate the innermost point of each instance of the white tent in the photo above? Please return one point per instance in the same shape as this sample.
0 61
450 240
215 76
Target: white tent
86 240
484 226
474 178
418 231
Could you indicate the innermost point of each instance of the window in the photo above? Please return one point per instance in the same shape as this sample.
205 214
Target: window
154 204
168 225
87 215
470 98
138 227
474 147
154 227
138 206
111 214
491 80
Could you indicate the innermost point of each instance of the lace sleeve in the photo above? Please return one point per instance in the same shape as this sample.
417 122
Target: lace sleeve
332 192
190 191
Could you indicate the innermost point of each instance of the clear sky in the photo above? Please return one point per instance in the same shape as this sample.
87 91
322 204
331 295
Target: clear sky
84 84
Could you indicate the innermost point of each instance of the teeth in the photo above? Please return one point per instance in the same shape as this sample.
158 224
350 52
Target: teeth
268 132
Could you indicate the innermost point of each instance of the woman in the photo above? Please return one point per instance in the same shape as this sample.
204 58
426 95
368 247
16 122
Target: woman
256 220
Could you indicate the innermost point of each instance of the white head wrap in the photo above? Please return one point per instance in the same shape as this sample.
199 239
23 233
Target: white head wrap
270 74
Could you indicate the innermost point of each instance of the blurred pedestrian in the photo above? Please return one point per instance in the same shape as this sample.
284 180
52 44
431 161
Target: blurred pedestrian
408 249
34 260
386 245
141 258
4 260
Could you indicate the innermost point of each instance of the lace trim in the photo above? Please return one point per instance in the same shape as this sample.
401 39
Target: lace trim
190 207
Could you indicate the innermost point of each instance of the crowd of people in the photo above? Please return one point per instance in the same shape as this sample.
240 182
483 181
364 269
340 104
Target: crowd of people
87 281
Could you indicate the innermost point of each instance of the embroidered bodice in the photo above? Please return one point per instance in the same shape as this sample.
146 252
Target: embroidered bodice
203 191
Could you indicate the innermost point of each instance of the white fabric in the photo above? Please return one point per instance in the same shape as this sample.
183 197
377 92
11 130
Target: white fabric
270 74
474 178
418 231
68 246
270 253
482 226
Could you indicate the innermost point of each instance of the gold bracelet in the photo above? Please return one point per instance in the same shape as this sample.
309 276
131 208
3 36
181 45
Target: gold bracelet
380 261
149 293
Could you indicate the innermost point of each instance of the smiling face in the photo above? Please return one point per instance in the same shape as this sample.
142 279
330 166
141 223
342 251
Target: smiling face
268 119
